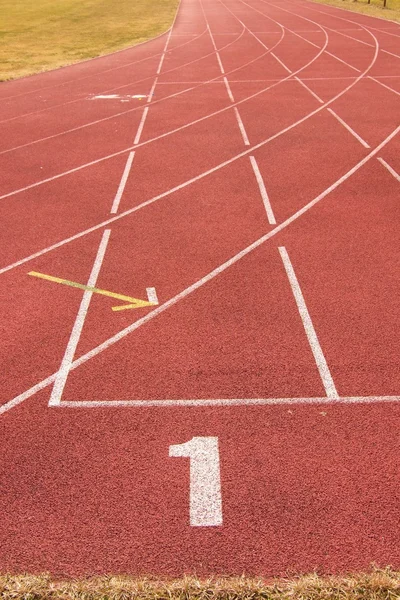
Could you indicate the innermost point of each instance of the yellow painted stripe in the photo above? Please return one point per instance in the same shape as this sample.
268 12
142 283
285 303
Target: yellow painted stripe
133 302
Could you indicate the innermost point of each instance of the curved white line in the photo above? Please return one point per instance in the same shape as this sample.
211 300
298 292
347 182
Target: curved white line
190 181
103 56
160 309
119 87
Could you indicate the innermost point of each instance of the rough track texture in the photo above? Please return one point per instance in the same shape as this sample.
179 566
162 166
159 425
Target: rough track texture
292 342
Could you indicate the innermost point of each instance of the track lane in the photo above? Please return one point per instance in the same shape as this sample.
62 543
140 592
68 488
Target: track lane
277 492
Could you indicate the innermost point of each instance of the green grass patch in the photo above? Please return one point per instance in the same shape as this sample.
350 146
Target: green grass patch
38 35
374 9
376 585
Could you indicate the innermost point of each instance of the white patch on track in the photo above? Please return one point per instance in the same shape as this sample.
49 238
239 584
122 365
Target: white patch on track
152 295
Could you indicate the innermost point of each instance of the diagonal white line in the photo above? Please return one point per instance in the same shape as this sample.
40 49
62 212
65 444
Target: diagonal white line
263 191
228 89
241 127
62 375
349 129
141 125
389 168
311 334
220 269
305 86
122 184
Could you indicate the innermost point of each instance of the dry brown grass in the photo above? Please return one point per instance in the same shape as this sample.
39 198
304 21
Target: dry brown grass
374 9
376 585
37 35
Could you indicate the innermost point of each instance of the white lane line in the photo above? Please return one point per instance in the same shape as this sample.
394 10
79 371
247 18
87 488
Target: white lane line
65 173
238 118
263 191
305 86
192 288
344 62
384 85
349 129
66 362
119 87
150 96
213 43
281 63
118 97
152 295
198 177
189 182
141 125
228 89
160 65
125 112
285 81
224 402
311 334
220 62
389 168
241 127
366 28
122 184
166 46
376 79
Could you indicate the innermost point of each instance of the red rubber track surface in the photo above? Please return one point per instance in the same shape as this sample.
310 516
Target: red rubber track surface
255 185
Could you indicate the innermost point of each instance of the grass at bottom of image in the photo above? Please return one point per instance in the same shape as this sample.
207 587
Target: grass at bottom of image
374 9
378 584
38 35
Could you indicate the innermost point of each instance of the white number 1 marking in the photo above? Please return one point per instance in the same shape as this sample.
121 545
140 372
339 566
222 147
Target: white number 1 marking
205 480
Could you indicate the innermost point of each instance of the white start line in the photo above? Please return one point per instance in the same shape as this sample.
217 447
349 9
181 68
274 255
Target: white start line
122 97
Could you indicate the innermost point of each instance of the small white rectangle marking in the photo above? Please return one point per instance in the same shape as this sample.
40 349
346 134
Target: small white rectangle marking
152 295
241 127
263 191
311 334
122 184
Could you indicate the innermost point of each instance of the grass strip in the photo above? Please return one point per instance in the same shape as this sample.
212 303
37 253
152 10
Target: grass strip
38 35
379 584
374 9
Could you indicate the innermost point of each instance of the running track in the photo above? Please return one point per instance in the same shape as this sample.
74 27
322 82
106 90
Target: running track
252 195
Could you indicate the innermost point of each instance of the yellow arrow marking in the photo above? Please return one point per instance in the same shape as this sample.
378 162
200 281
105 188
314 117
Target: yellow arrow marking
133 302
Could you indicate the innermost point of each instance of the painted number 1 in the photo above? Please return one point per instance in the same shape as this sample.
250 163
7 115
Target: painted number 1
205 480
